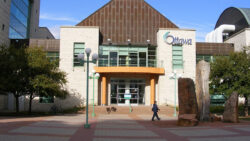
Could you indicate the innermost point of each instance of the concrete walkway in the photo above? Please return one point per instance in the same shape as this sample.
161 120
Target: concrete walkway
115 127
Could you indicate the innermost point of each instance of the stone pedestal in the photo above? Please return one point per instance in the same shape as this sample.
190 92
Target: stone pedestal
202 90
187 120
231 109
188 108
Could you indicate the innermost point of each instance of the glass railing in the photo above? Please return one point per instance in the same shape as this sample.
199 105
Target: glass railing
132 62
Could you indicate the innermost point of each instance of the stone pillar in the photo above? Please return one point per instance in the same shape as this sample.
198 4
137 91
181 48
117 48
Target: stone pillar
104 90
152 90
188 107
231 109
202 90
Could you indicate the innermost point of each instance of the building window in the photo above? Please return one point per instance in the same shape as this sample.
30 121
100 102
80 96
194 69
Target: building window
46 99
3 26
134 56
53 56
78 49
207 58
177 57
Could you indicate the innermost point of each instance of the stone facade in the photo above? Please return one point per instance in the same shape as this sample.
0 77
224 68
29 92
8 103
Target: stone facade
165 90
76 76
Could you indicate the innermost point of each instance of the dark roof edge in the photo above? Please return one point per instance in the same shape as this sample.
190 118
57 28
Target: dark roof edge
244 14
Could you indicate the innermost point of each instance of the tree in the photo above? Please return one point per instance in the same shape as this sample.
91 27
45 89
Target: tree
13 76
45 79
231 73
28 72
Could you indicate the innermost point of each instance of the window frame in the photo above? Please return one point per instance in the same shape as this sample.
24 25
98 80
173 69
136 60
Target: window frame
46 99
177 57
81 63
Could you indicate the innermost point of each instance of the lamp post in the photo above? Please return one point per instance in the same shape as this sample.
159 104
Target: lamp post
174 76
81 57
94 76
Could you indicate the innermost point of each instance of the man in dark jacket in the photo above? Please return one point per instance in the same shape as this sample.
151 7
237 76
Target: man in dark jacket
155 109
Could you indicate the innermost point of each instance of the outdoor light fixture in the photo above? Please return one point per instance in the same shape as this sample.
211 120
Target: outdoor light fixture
94 76
129 41
88 51
109 41
148 41
175 76
95 56
81 57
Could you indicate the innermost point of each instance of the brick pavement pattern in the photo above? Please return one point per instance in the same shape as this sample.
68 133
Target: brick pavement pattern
117 127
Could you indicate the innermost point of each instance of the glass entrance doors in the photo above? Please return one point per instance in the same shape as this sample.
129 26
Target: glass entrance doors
135 87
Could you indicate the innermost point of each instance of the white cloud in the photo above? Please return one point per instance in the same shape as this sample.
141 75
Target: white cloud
55 30
46 16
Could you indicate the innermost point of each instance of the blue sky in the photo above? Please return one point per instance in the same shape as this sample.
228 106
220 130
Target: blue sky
195 14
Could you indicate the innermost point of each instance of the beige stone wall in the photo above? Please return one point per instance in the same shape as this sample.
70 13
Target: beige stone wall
248 37
165 85
76 76
4 20
240 39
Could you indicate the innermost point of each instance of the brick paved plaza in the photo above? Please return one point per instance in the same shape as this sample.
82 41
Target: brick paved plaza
116 127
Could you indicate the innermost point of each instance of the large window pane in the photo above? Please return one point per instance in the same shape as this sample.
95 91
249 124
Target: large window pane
14 35
18 27
113 58
142 59
21 6
177 57
78 49
133 59
127 56
18 14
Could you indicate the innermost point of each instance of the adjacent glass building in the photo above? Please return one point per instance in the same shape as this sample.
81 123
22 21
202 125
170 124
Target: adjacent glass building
19 19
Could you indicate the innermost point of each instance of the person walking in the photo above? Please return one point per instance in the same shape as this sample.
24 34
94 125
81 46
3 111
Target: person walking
155 109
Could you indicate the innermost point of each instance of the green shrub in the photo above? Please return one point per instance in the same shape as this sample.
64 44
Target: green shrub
220 110
216 109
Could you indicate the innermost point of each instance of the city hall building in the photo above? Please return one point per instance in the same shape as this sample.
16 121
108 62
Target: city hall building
139 52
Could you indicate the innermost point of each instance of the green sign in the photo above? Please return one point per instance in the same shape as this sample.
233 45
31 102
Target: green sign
127 96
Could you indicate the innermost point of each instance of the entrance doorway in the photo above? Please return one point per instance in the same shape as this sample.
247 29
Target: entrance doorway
136 87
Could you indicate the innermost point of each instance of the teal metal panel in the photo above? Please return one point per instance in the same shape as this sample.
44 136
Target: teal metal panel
123 53
177 62
78 50
179 53
178 67
79 45
177 48
177 58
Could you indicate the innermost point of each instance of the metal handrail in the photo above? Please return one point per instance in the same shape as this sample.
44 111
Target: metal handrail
131 62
